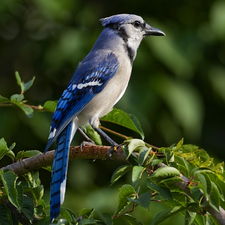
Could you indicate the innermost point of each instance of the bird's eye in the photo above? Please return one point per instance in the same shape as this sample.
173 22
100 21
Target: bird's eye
137 24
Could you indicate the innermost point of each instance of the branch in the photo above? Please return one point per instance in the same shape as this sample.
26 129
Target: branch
37 162
99 152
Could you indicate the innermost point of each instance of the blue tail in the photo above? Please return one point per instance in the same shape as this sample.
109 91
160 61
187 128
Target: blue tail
59 171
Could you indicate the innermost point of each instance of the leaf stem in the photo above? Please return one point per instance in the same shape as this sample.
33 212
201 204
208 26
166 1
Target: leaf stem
154 147
38 108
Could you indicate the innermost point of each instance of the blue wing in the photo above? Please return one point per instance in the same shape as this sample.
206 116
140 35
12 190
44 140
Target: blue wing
89 79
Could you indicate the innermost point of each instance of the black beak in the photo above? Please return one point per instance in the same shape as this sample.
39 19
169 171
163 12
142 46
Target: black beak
153 31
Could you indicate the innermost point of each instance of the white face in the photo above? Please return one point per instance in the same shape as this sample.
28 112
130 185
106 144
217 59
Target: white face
134 32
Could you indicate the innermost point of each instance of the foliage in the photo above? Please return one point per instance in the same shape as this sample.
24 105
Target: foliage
18 99
155 173
159 185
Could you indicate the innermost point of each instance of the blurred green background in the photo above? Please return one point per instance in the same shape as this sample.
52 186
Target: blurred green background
177 88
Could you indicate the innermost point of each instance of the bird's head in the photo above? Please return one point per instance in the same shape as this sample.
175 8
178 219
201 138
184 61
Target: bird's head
131 28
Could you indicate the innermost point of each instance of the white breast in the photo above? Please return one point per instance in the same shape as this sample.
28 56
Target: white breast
103 102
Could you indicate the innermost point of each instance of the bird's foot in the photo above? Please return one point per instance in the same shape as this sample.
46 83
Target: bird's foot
86 143
113 148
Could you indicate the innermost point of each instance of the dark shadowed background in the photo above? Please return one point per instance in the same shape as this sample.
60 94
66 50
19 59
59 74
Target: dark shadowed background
177 88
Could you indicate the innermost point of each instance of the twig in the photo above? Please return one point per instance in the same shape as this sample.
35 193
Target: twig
115 133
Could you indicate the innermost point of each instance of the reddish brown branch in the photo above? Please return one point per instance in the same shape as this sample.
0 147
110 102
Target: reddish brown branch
88 152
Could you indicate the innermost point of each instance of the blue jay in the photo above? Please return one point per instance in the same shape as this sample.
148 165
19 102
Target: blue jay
97 85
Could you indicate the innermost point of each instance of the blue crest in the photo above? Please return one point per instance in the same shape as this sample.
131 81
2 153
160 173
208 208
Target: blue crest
120 18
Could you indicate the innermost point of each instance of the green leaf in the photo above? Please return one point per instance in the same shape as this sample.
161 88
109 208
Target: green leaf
165 171
42 203
26 154
9 181
69 214
199 219
19 81
183 165
171 180
218 183
43 221
48 168
126 191
38 192
24 86
28 207
66 215
218 168
143 154
50 106
133 144
38 211
204 220
195 193
201 170
212 221
12 146
27 110
180 143
5 216
4 99
19 189
169 154
105 218
121 118
4 150
119 172
17 98
189 217
156 161
92 134
166 214
214 197
33 179
143 200
192 206
177 201
205 184
163 191
86 212
131 220
136 175
28 84
86 221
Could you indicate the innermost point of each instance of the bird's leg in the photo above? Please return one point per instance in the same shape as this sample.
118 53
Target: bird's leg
114 145
85 135
85 143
